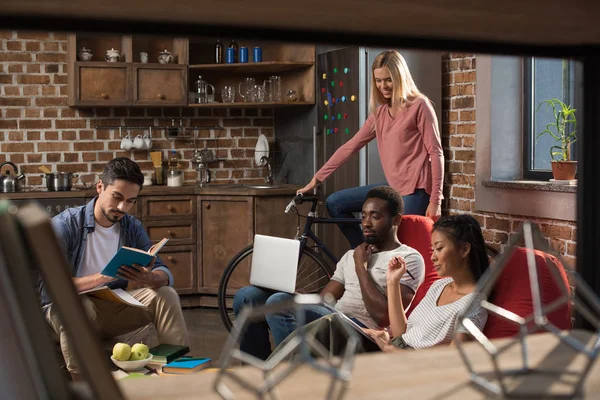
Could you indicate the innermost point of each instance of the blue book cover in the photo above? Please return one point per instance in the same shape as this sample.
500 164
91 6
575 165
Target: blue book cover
187 365
129 255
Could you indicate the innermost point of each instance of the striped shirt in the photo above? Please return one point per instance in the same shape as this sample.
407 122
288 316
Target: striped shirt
430 325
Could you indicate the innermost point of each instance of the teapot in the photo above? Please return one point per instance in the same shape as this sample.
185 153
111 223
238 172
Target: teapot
9 183
165 57
84 54
112 55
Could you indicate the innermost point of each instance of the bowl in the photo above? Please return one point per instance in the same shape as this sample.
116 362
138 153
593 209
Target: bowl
131 365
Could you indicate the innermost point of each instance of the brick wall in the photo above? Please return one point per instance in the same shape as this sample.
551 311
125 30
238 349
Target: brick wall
38 128
458 139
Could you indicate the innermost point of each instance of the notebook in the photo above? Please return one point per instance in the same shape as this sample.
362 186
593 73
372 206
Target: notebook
186 365
274 263
165 353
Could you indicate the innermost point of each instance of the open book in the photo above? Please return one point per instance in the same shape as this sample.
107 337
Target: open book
129 255
350 322
113 295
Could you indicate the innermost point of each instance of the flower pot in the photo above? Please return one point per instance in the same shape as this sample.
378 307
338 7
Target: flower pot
564 170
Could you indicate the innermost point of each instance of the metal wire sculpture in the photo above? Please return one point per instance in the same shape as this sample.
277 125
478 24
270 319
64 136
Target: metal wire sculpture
585 302
296 352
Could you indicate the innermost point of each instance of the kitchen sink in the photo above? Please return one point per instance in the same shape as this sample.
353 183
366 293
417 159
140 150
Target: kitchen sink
262 186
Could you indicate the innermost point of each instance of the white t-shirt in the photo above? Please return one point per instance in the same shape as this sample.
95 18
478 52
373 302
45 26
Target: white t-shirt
100 247
351 303
429 324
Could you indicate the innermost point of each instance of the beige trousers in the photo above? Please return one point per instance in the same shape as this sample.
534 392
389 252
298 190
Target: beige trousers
113 319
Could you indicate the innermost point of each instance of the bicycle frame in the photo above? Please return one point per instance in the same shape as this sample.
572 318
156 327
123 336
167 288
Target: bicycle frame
307 233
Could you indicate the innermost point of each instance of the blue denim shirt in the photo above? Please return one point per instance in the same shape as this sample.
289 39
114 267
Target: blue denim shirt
72 227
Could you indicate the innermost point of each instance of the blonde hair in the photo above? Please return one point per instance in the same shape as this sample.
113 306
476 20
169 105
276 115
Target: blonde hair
404 91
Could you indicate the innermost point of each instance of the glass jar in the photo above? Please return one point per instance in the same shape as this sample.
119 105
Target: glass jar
291 96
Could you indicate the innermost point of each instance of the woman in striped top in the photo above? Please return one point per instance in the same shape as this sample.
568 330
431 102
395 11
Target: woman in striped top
460 259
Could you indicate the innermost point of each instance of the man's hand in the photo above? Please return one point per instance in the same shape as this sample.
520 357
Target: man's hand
141 276
362 253
434 211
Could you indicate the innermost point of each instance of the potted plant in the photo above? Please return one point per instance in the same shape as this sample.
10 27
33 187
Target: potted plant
564 131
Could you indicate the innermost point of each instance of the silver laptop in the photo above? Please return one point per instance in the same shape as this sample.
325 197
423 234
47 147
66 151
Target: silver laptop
274 263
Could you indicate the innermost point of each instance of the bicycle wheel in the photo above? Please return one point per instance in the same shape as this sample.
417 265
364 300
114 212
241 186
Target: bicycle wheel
313 274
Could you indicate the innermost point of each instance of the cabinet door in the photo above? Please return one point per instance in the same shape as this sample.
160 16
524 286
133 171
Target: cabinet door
227 227
177 231
160 84
181 261
102 84
271 219
177 207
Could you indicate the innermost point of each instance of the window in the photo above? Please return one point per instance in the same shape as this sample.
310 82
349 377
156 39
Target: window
543 79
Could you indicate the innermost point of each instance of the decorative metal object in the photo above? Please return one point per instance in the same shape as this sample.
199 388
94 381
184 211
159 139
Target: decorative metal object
289 358
497 381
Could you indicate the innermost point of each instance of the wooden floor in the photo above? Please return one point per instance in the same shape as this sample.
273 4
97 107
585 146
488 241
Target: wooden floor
207 333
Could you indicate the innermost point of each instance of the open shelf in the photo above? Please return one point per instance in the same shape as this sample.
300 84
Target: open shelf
240 104
266 67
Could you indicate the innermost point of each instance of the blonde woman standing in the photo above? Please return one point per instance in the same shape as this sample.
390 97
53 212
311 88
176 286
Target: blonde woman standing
404 123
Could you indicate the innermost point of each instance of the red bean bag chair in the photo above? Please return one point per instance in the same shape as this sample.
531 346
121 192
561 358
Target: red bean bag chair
512 292
415 231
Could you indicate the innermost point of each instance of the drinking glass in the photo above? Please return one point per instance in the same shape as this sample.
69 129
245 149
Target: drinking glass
259 93
247 91
275 88
228 94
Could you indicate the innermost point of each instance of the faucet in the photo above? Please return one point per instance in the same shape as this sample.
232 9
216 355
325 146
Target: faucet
269 178
204 175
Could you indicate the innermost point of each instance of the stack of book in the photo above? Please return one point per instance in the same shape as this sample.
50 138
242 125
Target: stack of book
186 365
165 353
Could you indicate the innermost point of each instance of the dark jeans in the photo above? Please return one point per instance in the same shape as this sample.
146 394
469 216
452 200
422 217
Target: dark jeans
255 340
345 202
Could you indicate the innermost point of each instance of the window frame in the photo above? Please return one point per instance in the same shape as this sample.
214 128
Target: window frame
528 109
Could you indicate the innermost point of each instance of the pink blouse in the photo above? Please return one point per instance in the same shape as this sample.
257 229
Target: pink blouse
409 145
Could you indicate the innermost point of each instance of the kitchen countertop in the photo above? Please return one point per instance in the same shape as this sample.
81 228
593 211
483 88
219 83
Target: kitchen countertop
163 190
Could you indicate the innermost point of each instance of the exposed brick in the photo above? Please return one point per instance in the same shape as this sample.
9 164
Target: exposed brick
88 156
51 101
51 57
48 91
71 157
464 155
75 168
33 136
35 124
17 147
13 112
15 57
70 123
15 136
497 223
14 45
33 113
88 146
33 79
556 231
26 35
463 192
50 46
14 102
32 46
50 135
17 159
53 157
15 68
51 68
50 113
32 90
34 68
6 79
68 135
34 158
53 146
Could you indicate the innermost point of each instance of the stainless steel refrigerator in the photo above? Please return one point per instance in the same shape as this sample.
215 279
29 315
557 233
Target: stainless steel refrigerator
343 91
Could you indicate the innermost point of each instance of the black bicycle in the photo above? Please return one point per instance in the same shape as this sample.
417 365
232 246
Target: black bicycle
314 271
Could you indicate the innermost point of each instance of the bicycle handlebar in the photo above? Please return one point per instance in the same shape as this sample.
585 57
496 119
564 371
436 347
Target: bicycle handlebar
299 199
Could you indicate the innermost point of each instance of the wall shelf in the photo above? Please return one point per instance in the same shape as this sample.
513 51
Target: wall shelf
266 67
240 104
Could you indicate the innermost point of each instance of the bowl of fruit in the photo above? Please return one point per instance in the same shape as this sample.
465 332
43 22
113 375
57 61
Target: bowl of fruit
131 358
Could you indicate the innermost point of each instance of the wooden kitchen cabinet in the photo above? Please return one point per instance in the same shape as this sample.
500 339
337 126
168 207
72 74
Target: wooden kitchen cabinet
128 82
227 226
181 261
157 84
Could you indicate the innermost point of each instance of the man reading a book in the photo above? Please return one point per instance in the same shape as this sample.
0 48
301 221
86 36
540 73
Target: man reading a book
90 236
358 284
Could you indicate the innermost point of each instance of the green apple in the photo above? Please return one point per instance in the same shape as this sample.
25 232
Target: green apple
121 352
137 355
142 348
